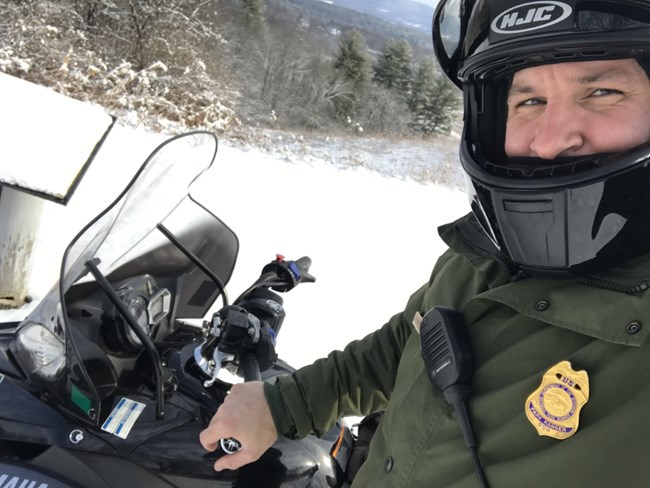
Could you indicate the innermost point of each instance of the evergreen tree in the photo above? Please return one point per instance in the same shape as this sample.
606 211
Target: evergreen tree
253 13
393 67
352 59
353 67
434 101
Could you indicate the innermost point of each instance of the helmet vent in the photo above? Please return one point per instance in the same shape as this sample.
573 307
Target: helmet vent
531 167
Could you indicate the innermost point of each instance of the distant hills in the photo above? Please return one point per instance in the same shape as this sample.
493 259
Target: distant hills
406 12
377 20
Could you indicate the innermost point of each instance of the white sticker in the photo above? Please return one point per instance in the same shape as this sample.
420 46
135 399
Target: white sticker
122 418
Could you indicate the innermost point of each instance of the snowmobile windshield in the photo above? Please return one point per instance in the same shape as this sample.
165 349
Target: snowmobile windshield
124 241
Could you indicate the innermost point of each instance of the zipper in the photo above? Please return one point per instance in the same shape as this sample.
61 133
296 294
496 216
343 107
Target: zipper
612 285
511 269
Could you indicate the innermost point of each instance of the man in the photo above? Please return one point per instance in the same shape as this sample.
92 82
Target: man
550 272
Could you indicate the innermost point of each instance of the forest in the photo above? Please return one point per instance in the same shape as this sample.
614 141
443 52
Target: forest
226 64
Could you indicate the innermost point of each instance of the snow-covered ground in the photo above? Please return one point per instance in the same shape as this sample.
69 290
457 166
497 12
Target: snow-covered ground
370 231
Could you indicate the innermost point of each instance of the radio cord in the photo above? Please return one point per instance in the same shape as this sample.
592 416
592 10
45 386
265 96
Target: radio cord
457 396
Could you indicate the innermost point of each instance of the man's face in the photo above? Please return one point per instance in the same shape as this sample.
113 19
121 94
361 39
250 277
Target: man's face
576 109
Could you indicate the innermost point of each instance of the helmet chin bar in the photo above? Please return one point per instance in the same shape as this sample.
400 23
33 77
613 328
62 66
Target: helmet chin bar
568 229
539 232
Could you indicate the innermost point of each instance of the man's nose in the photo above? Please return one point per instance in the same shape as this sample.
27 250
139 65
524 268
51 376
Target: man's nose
560 132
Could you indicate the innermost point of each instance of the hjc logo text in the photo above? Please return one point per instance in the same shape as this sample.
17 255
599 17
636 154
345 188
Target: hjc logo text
533 15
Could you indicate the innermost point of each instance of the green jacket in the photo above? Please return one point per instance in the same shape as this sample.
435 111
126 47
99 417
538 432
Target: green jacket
518 330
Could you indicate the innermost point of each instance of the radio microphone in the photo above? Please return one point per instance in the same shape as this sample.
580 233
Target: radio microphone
449 364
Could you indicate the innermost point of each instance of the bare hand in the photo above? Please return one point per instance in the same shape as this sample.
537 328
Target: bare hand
245 416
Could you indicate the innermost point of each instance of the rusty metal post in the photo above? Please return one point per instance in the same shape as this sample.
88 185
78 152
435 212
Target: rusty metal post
48 142
20 216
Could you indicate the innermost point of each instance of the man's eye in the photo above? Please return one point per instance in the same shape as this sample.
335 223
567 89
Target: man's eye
530 102
602 92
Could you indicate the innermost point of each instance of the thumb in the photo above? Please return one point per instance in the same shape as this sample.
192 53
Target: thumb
206 440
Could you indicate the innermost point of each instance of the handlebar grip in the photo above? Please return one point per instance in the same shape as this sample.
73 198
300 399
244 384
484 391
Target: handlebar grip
304 262
251 367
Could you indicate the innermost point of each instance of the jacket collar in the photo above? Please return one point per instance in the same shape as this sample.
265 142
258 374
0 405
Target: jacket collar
612 305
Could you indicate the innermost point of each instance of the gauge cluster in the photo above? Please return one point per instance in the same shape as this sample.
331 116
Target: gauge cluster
147 304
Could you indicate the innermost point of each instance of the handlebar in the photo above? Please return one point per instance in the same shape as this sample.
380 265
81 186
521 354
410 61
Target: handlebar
245 331
281 275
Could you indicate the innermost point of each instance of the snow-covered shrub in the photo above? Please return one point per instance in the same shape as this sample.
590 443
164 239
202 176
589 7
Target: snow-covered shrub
43 42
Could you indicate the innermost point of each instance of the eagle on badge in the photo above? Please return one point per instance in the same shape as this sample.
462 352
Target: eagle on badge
554 407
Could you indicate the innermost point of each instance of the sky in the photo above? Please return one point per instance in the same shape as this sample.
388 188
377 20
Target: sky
430 3
372 238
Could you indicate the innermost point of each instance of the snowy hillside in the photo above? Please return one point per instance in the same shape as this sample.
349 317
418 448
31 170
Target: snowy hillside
372 238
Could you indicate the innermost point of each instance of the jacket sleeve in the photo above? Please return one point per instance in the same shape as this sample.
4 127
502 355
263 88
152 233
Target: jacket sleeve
356 381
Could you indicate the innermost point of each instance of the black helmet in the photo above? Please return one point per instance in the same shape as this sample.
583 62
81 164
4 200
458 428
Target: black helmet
570 214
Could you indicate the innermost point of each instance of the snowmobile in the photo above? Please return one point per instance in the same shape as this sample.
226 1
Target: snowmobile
111 377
